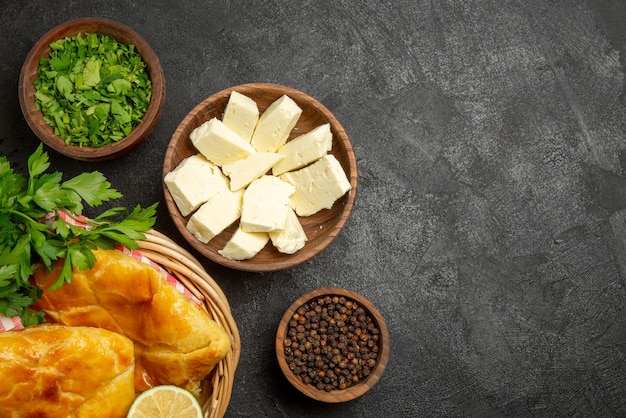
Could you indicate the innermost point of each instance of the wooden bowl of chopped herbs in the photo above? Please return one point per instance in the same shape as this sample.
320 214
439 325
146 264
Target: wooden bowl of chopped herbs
92 89
332 344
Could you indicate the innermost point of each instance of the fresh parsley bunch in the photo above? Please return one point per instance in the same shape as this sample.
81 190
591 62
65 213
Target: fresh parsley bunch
30 238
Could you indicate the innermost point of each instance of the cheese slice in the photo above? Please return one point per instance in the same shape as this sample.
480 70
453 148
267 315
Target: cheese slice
304 149
193 182
243 172
265 205
318 185
291 238
217 214
244 245
218 143
241 115
275 124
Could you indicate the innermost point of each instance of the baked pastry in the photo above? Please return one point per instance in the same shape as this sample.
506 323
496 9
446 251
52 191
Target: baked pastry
57 371
176 342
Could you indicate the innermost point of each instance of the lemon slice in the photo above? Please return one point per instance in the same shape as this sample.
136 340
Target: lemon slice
165 401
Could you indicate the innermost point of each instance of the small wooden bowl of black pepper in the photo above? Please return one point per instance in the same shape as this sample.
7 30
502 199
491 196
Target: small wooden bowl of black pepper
332 344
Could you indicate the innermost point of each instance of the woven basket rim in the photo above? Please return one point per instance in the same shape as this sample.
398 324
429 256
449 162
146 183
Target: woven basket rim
217 387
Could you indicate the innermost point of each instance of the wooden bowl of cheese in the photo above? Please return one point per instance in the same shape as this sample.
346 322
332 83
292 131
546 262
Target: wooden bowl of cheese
260 177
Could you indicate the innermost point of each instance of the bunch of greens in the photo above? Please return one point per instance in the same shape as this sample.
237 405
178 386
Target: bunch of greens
33 234
92 90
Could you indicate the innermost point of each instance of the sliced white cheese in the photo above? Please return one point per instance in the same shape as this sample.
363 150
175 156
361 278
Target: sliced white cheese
244 245
193 182
265 205
243 172
291 238
304 149
318 185
241 115
275 125
218 143
219 212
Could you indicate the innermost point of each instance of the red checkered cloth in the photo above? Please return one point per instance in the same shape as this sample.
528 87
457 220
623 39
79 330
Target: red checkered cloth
76 220
9 323
14 323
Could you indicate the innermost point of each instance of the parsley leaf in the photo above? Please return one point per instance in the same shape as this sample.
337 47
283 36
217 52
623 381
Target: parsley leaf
92 187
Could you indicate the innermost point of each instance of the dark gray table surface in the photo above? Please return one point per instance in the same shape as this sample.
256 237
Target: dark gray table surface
490 221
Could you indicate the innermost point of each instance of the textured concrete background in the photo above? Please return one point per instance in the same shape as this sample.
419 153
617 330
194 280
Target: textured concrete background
490 223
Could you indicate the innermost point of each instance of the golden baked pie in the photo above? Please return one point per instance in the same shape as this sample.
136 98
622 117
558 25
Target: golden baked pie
58 371
176 342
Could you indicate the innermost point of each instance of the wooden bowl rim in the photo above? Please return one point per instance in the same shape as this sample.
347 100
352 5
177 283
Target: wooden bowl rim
34 117
335 396
300 256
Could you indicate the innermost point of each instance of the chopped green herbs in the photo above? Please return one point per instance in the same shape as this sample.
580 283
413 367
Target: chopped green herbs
92 90
34 231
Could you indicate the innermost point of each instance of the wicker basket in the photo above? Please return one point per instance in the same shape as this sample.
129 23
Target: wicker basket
217 387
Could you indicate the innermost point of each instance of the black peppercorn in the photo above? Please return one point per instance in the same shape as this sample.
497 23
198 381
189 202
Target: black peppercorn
332 343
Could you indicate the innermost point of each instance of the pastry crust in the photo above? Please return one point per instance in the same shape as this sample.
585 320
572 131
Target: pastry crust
57 371
176 342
